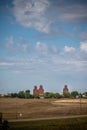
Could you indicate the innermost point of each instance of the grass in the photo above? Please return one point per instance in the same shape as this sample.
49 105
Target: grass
57 124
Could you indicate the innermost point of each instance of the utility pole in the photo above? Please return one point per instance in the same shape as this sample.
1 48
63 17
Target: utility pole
16 108
80 104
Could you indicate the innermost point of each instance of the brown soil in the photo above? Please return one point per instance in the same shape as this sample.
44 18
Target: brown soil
41 108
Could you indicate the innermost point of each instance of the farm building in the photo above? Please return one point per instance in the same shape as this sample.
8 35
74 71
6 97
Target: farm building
38 92
65 89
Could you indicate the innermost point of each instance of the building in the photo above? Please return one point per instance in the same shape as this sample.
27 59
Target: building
41 91
35 91
38 92
65 89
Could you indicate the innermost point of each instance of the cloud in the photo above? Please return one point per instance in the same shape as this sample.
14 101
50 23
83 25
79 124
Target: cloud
74 13
6 64
44 63
41 47
46 16
54 49
69 49
69 11
23 47
83 46
31 14
77 65
18 46
43 57
46 50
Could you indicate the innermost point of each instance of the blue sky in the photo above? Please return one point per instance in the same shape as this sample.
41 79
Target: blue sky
43 42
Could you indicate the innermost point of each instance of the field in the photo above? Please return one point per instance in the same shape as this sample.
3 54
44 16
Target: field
15 108
58 124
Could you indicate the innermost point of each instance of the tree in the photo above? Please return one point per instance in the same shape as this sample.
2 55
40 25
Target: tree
74 94
57 95
35 96
14 95
46 95
85 93
27 91
27 94
51 95
66 95
21 94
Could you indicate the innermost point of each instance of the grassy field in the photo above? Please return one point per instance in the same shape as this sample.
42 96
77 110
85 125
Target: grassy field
61 124
41 108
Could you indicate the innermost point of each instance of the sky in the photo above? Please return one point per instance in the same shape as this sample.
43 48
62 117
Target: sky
43 42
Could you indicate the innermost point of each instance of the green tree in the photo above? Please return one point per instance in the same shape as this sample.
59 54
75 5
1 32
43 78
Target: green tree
51 95
21 94
27 94
47 95
14 95
74 94
85 93
57 95
35 96
66 95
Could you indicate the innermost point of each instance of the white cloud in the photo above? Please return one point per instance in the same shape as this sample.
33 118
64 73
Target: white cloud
73 12
54 49
49 64
69 49
23 47
17 72
31 13
46 56
42 48
43 15
6 64
83 46
46 49
77 65
17 47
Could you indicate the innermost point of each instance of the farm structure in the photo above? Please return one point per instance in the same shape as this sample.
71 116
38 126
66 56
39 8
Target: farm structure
65 89
38 92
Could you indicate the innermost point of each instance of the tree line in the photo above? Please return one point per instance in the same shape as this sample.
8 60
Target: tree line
27 95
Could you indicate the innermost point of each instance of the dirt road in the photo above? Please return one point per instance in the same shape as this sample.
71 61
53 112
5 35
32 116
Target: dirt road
50 118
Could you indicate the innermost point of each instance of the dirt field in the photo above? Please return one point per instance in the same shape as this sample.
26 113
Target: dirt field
15 108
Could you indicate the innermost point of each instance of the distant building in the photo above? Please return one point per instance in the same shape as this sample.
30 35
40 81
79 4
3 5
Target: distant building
65 89
38 92
35 91
41 90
